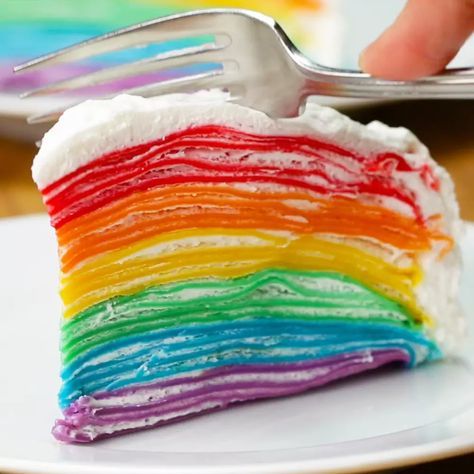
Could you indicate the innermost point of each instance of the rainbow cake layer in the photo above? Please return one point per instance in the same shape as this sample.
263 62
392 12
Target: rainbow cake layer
211 255
30 28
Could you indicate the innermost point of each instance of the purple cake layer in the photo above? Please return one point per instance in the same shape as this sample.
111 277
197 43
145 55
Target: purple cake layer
116 412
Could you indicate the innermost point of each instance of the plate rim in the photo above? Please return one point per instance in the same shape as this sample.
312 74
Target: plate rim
387 459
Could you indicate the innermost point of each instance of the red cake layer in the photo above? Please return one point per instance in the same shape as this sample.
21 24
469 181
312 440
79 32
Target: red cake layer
115 175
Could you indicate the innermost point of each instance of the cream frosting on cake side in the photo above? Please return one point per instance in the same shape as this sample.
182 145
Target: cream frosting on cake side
210 254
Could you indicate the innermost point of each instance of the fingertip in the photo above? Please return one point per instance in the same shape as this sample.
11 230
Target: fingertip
424 38
383 59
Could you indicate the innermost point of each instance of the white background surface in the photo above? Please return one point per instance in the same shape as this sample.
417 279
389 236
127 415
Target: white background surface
389 418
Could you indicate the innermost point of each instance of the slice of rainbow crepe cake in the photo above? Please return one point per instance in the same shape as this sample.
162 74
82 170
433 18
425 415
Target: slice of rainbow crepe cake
211 255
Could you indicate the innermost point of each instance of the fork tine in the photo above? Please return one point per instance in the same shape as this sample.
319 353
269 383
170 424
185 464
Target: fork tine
205 54
208 80
216 79
160 30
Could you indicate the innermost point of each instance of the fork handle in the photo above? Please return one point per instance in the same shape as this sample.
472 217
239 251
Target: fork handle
460 73
452 84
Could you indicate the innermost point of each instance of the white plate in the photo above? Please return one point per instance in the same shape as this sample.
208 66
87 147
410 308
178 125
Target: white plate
386 419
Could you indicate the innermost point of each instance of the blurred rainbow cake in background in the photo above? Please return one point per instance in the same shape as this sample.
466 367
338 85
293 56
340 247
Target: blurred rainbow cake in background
212 255
30 28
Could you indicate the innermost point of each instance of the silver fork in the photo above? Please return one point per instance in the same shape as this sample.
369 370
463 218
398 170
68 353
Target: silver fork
256 62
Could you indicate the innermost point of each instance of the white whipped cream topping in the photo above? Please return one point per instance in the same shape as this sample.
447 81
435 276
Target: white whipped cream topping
96 127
